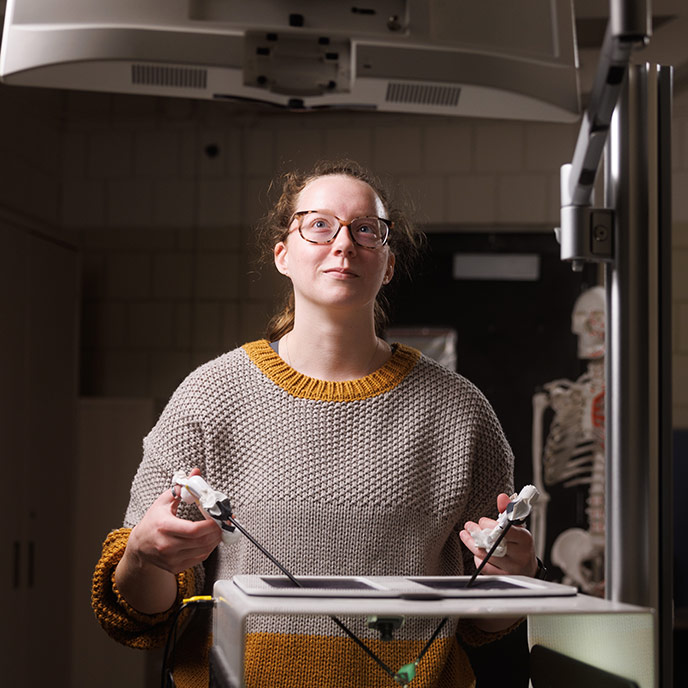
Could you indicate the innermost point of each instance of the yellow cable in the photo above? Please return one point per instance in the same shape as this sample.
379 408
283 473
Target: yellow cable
198 598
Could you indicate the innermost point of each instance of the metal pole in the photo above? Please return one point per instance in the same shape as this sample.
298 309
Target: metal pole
628 511
637 186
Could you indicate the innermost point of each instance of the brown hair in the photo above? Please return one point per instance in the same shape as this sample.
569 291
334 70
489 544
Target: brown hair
405 240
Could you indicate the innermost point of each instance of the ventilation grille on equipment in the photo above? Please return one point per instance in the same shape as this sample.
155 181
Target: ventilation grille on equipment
423 94
176 77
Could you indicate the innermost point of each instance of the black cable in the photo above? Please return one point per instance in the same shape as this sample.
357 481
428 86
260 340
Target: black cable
244 532
432 639
167 679
168 652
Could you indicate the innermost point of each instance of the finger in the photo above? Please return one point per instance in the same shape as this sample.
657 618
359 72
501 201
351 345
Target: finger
190 530
199 551
503 500
468 540
519 534
489 569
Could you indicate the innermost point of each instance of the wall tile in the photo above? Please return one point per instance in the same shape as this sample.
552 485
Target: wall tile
128 276
262 282
549 146
129 203
167 371
201 356
15 190
73 155
182 325
174 202
212 152
255 201
93 272
397 149
472 198
82 203
81 105
186 136
230 327
522 198
259 152
428 196
354 143
218 202
207 326
448 148
40 144
234 152
172 275
225 238
217 275
298 148
110 155
103 324
156 153
44 197
134 108
124 374
553 210
177 109
151 325
254 316
499 147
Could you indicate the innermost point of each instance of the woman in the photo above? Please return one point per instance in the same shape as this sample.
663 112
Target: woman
341 454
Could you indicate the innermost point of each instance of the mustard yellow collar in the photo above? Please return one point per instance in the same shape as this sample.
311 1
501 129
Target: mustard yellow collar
386 378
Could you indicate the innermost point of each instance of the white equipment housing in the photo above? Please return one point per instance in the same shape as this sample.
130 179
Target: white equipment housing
496 58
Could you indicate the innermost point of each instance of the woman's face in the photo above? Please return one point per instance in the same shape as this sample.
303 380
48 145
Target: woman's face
340 274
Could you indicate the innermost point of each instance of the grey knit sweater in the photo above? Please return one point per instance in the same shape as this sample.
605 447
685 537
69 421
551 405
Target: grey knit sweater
374 476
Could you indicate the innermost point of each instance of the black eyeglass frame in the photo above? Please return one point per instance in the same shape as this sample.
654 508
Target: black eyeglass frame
343 223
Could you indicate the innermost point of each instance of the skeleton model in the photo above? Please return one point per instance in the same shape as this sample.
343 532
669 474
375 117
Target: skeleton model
573 452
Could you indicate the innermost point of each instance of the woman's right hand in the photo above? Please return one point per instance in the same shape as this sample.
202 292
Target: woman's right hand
160 546
171 543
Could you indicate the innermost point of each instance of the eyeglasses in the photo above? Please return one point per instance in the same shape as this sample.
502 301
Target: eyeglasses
318 227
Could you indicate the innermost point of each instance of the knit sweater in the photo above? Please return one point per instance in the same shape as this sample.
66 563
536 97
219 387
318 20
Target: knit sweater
374 476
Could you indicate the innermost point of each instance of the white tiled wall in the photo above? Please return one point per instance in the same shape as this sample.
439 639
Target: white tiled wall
162 195
164 201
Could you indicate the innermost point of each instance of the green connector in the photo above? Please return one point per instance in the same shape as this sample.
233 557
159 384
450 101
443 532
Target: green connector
406 674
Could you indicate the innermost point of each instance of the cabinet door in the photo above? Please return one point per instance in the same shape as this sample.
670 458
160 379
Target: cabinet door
38 309
110 435
14 624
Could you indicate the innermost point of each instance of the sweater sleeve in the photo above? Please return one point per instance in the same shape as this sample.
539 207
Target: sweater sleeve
119 619
491 468
176 442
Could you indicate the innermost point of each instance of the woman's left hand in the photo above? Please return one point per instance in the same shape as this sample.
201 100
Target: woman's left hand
520 549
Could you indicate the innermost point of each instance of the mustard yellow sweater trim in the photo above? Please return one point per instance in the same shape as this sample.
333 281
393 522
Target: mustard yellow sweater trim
303 661
386 378
119 619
